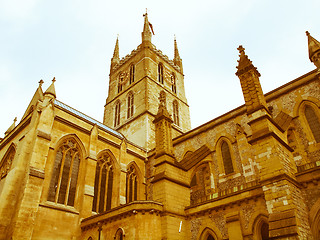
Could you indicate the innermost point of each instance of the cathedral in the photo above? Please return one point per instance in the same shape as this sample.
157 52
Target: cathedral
143 173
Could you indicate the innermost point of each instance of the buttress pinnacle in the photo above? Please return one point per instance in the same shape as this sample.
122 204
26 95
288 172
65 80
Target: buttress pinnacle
314 50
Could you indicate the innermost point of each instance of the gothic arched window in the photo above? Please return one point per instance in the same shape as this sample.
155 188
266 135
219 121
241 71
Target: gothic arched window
132 184
117 114
160 73
120 81
264 231
119 234
210 237
65 173
313 122
173 82
226 157
175 113
200 183
5 164
103 184
130 105
132 69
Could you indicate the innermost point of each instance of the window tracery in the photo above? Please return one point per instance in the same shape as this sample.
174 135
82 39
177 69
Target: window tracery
132 184
103 184
6 162
65 173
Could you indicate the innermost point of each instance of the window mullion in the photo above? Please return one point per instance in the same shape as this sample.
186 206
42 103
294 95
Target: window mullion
69 178
60 175
106 189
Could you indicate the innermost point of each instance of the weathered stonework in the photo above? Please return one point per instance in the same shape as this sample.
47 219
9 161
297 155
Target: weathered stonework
250 174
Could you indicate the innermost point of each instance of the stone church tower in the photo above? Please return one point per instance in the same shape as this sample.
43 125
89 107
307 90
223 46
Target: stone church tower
250 174
134 86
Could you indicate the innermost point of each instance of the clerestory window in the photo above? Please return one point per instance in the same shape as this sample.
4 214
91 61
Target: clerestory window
313 122
226 157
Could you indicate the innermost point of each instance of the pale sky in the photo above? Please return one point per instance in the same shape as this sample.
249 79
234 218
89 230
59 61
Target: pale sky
74 42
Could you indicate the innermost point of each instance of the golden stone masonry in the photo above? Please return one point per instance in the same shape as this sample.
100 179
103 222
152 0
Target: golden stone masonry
250 174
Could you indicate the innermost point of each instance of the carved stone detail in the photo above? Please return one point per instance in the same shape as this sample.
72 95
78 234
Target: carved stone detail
247 212
219 220
195 226
5 166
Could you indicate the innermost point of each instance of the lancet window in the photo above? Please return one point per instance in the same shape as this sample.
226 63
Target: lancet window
130 105
103 184
65 173
313 122
119 234
175 113
120 82
132 184
226 157
132 70
173 82
160 73
117 113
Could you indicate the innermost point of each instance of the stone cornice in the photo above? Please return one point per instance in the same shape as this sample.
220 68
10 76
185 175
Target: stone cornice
124 211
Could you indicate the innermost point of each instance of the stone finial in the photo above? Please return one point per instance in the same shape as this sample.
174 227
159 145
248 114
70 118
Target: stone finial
115 58
51 89
250 84
163 99
176 59
146 33
116 49
244 63
162 110
163 134
314 50
13 125
41 82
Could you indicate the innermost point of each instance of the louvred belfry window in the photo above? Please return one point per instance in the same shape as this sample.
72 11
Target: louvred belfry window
103 184
65 173
226 157
117 114
313 122
173 82
132 69
160 73
176 113
130 105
